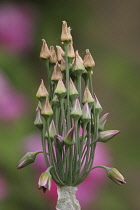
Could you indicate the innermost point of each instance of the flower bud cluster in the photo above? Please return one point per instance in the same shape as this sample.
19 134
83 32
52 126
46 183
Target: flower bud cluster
65 106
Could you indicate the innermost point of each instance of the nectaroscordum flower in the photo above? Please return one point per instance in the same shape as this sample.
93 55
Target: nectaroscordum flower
69 154
45 180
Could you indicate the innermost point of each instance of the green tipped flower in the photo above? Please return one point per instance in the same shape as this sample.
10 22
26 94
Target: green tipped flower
102 121
52 131
86 116
76 112
57 74
38 120
42 92
73 90
60 53
53 58
88 97
45 52
69 140
66 32
78 67
98 108
27 159
115 176
45 180
104 136
88 60
60 90
46 110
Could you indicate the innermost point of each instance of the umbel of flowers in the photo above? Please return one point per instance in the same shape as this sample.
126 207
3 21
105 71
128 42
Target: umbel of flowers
67 106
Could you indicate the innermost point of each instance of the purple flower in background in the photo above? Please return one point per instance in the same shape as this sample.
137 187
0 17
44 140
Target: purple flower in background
16 27
12 103
90 187
3 188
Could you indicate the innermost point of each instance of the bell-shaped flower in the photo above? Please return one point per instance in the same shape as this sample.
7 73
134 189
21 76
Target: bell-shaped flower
45 180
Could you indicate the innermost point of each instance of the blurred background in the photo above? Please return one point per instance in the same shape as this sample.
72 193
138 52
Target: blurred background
111 30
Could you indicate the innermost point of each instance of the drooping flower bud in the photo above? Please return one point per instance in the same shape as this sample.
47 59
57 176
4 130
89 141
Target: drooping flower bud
27 159
69 140
45 180
71 53
104 136
45 52
78 67
66 33
52 130
115 176
73 90
76 112
88 60
53 58
46 110
42 92
86 116
60 53
63 64
57 74
60 90
98 108
88 97
38 120
102 121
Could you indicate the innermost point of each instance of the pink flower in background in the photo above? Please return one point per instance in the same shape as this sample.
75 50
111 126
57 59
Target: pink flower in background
16 27
12 103
88 190
3 188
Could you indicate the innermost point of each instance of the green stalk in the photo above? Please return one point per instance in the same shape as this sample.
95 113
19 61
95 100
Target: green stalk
52 158
67 85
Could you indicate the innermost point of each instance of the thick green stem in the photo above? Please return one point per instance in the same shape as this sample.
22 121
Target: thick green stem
67 84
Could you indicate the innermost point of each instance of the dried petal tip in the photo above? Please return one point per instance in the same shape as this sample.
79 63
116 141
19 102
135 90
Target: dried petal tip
104 136
42 92
52 131
73 90
60 90
115 176
76 112
27 159
71 53
78 67
69 139
57 74
53 58
45 52
88 60
88 97
45 180
102 121
97 105
38 120
86 116
66 32
60 53
46 110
